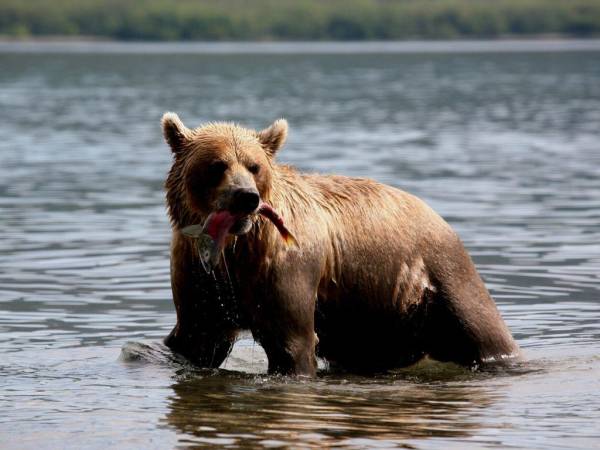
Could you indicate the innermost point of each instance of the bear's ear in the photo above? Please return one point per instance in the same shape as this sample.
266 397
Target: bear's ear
175 132
273 137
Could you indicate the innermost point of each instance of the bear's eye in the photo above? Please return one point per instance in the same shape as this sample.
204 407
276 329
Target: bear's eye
254 168
215 172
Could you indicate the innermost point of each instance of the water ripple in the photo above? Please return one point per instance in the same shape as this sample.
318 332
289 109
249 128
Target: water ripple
504 146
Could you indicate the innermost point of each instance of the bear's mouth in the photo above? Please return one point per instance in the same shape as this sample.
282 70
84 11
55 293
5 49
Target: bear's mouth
241 225
210 237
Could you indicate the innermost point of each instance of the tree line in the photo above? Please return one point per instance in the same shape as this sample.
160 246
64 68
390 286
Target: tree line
297 19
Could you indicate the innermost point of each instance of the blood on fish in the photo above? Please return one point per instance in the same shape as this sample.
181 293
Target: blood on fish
218 224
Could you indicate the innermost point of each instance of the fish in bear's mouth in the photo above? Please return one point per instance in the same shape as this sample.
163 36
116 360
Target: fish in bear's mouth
210 236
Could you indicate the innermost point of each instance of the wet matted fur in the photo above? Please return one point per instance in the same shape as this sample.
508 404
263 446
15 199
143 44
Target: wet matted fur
378 279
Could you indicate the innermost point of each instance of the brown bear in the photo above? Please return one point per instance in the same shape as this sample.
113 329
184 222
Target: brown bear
377 279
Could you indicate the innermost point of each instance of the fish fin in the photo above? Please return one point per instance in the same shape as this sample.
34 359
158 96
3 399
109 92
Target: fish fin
194 231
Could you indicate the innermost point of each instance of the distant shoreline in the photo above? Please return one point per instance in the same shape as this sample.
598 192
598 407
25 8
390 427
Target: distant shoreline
104 39
307 47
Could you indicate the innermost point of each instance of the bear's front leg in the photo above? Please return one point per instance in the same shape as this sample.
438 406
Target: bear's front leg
207 316
206 349
285 326
291 353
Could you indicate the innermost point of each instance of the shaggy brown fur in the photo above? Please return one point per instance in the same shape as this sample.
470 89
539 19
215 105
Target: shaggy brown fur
378 280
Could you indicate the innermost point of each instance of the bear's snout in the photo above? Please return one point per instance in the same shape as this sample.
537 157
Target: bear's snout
244 201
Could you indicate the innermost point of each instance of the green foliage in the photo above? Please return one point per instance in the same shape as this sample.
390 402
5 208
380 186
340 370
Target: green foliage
297 19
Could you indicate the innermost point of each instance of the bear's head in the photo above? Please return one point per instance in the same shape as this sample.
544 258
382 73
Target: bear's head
219 167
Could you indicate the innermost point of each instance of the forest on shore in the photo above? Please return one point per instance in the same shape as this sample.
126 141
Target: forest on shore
288 20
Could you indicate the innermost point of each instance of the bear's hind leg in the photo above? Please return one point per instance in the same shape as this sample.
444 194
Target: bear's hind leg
462 322
467 337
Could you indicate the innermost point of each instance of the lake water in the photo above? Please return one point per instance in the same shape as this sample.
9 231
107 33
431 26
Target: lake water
502 139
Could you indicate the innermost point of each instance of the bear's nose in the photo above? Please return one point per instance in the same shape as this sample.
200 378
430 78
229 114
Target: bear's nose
245 200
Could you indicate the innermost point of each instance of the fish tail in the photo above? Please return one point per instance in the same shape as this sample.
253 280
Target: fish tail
289 239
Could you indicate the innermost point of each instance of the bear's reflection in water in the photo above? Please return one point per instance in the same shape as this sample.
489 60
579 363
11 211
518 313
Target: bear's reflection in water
232 409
